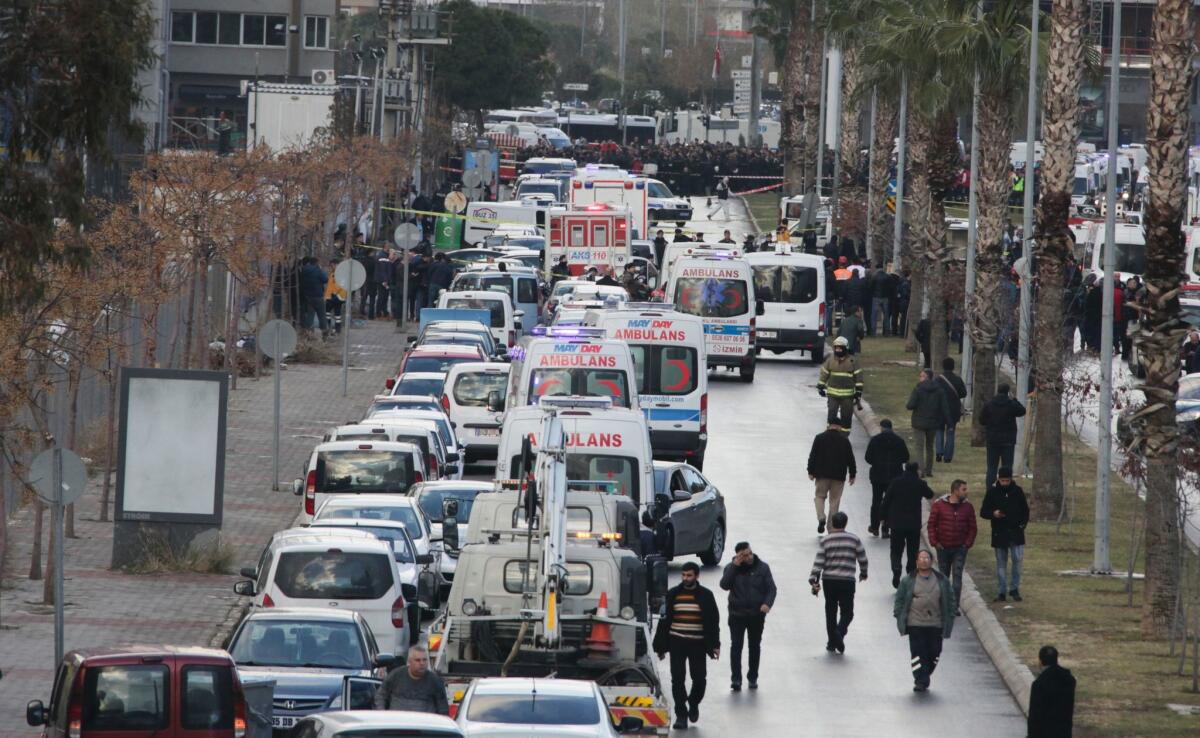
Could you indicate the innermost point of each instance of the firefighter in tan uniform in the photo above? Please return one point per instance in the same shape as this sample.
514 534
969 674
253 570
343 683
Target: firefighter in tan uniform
841 383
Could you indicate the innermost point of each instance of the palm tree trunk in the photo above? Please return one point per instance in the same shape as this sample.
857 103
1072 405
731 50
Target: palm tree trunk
917 213
881 156
851 210
1161 331
995 139
811 99
794 89
942 164
1060 131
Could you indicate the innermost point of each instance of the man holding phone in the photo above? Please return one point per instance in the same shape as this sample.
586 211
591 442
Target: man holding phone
751 595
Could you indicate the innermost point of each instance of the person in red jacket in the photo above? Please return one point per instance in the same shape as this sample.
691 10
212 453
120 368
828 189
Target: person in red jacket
952 531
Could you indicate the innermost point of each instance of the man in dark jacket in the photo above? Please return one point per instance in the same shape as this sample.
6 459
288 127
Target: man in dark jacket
882 289
441 274
384 268
956 392
930 412
902 510
751 596
1051 698
312 293
660 248
829 461
952 532
886 455
1005 505
689 631
924 611
999 420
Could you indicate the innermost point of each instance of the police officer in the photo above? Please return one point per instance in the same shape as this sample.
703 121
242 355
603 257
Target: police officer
840 382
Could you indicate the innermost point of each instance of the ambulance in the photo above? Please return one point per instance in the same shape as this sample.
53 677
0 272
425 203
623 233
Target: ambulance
607 447
571 360
592 236
689 248
720 290
615 188
670 361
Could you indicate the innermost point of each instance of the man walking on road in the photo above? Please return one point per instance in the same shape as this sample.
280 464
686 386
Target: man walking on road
1051 698
837 555
751 590
952 530
924 611
722 199
902 508
956 392
829 461
414 688
840 381
930 413
1005 505
999 420
886 455
690 631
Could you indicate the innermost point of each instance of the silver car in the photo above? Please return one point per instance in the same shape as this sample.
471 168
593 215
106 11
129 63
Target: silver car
687 513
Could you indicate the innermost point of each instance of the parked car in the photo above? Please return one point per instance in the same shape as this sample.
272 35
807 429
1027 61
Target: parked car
357 468
376 724
436 358
143 692
465 400
538 707
430 497
307 652
421 384
688 513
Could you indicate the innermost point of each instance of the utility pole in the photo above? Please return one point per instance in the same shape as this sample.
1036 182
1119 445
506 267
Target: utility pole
968 368
621 44
835 90
821 118
1100 553
898 227
754 139
662 29
871 180
1019 460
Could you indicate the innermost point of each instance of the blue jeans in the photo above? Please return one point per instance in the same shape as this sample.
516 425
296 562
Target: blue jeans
943 443
880 312
1017 554
951 561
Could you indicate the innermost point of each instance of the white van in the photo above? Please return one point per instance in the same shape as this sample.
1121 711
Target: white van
721 291
465 399
670 359
340 569
679 249
520 283
791 286
1130 250
505 323
484 217
358 467
572 361
606 446
421 433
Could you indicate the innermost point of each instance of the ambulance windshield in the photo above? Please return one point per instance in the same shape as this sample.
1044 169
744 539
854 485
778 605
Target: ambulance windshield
711 297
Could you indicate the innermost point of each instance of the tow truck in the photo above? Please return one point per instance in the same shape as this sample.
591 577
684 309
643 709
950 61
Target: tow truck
538 596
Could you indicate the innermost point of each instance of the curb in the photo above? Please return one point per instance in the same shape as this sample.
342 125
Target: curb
1016 675
749 213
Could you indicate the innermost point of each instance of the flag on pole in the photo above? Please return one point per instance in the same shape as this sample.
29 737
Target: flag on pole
716 70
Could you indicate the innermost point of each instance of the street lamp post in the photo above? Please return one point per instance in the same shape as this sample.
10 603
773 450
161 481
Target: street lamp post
1026 313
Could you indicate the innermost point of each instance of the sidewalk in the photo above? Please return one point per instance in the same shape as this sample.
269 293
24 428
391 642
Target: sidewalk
106 607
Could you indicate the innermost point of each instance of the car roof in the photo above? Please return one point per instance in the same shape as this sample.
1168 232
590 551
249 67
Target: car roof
441 349
420 375
368 500
516 686
454 484
456 326
406 398
307 613
359 523
389 719
384 418
355 540
478 367
137 651
413 413
499 296
375 446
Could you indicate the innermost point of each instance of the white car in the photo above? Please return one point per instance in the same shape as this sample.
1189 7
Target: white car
358 468
360 723
399 508
431 497
440 420
465 399
546 708
422 384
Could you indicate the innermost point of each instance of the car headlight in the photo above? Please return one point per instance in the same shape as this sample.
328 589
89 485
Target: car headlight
627 613
469 607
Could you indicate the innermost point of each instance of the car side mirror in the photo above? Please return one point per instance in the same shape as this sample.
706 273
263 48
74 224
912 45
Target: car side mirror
384 659
495 403
411 339
518 314
424 559
427 587
245 588
451 468
760 307
35 713
452 457
680 495
450 533
630 724
249 573
656 575
297 487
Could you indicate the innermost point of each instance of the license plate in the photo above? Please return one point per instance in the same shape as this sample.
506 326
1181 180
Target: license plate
488 432
282 722
768 334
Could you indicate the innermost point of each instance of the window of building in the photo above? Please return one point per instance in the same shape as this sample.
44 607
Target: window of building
277 29
183 27
229 29
316 32
206 28
254 30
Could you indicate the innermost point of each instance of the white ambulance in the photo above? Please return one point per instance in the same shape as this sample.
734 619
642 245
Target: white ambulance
571 360
593 236
720 290
607 447
679 249
670 360
615 188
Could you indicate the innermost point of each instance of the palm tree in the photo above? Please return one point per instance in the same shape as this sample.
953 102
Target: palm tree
787 26
1060 131
1161 329
886 116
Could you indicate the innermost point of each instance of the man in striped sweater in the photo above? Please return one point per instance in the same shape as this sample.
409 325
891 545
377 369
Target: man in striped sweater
837 556
690 631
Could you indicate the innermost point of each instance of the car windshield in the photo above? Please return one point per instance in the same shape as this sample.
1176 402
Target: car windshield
454 338
775 283
494 307
312 644
400 514
711 297
394 537
589 382
364 470
601 472
420 386
431 500
440 364
472 389
537 189
657 189
334 574
537 243
1131 257
527 709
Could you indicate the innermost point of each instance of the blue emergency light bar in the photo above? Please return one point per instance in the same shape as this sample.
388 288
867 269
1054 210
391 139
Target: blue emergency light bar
575 332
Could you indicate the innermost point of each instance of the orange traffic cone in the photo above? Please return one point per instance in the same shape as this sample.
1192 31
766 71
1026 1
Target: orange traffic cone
600 643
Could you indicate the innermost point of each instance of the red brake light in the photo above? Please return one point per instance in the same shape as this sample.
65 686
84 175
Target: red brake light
821 318
390 382
398 612
310 493
512 339
75 707
704 413
446 404
432 463
418 477
753 332
267 601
